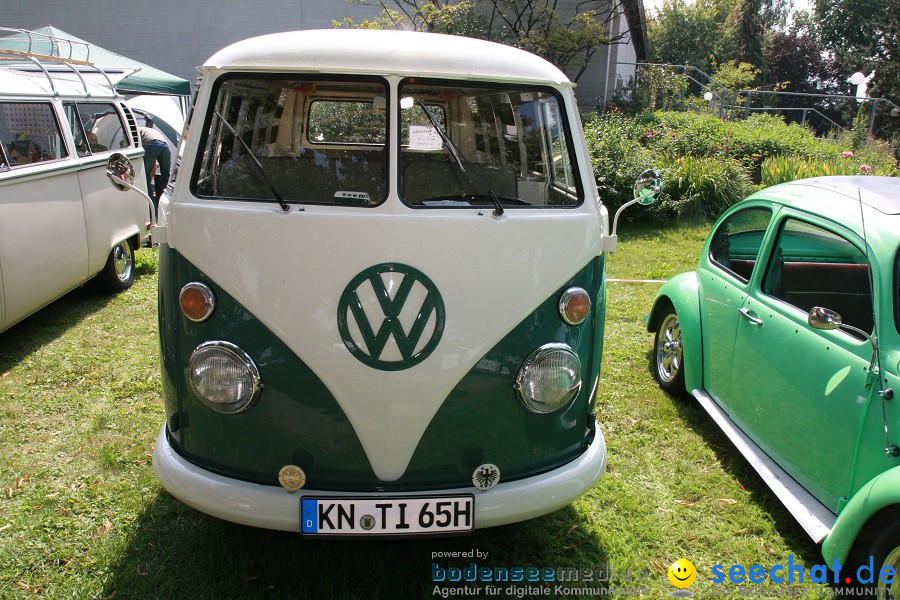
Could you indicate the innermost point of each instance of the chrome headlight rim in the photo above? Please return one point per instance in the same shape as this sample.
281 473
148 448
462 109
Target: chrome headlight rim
529 362
238 353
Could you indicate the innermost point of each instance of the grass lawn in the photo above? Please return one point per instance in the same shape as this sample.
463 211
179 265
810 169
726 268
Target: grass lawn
82 514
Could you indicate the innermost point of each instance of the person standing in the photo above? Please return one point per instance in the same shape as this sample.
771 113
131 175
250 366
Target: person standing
156 150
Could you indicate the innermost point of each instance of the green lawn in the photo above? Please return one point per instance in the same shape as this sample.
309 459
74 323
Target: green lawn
82 515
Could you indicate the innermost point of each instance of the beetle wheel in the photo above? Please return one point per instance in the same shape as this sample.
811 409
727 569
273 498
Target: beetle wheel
668 354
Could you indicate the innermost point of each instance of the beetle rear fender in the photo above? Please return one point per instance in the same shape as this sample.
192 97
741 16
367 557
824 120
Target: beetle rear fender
864 514
682 293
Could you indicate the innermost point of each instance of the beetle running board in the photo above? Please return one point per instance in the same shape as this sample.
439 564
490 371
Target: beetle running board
813 516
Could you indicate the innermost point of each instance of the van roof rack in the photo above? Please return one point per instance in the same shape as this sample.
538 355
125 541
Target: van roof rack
26 60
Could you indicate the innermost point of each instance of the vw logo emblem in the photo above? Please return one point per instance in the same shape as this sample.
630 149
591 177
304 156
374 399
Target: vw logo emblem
409 310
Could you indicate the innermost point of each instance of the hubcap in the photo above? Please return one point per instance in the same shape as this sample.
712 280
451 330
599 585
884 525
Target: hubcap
122 261
668 349
890 591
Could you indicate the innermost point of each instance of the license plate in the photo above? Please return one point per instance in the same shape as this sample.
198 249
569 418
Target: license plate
413 515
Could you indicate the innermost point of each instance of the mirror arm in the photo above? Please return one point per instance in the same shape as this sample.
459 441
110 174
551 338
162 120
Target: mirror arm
116 179
619 212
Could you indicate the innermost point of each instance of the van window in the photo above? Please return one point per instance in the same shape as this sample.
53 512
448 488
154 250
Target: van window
96 126
507 140
29 134
311 140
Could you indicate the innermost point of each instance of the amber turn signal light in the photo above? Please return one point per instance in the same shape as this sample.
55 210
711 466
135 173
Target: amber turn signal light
197 301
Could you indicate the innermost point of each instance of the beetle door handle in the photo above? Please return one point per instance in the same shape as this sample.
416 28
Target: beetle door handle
745 312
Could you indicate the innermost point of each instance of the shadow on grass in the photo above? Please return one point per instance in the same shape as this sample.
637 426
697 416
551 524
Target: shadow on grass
49 323
176 551
733 462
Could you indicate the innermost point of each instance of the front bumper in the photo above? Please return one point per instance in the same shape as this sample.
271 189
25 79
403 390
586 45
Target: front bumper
272 507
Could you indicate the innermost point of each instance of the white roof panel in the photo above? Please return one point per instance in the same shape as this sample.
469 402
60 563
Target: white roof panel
367 51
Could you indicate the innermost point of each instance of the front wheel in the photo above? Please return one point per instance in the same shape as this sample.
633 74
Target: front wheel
118 274
886 553
668 354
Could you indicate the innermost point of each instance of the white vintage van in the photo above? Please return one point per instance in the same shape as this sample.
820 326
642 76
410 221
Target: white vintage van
60 221
381 288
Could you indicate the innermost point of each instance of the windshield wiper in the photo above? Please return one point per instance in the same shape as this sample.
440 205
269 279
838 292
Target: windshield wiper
256 162
460 159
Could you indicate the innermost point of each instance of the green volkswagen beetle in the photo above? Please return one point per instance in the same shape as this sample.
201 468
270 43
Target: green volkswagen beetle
788 334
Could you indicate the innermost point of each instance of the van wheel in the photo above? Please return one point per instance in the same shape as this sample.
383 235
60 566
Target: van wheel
118 274
668 354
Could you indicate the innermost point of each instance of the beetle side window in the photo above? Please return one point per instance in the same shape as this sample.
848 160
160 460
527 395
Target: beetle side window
812 267
308 140
29 134
735 245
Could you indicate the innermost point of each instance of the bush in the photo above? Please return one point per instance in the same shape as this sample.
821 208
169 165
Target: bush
618 159
780 169
709 163
700 186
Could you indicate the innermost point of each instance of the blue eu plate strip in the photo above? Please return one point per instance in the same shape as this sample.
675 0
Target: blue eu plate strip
308 516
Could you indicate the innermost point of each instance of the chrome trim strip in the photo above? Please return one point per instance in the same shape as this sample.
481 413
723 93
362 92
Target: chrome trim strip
813 516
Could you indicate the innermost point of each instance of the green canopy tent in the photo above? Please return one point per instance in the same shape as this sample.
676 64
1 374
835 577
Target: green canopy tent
138 78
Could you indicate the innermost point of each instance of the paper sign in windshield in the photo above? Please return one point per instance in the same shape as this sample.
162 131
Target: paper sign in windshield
424 137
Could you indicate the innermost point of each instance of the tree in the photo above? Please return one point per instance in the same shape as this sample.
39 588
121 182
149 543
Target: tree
568 41
686 34
864 36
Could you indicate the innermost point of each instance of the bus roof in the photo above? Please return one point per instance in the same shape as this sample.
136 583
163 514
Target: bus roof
404 53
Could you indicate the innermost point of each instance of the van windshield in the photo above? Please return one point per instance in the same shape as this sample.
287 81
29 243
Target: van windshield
512 142
325 141
316 141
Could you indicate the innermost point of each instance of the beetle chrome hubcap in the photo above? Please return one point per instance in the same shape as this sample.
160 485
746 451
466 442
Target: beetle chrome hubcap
122 261
668 349
892 590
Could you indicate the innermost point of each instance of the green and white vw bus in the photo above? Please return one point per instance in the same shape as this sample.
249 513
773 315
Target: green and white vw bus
381 288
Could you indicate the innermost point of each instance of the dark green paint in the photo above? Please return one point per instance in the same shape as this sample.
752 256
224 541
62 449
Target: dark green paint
297 421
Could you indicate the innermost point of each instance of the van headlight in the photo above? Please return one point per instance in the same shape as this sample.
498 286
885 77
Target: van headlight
224 377
549 378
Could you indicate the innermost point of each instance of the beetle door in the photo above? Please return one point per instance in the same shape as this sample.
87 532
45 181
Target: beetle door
800 393
724 279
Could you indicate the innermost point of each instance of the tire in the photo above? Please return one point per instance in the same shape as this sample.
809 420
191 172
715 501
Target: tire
886 552
118 273
668 353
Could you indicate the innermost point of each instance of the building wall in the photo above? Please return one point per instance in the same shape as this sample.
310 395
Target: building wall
178 35
175 35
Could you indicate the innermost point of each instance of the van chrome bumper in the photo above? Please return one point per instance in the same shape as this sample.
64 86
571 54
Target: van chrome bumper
272 507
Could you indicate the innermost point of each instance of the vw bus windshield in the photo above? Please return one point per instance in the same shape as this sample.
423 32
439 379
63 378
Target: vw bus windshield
512 141
312 140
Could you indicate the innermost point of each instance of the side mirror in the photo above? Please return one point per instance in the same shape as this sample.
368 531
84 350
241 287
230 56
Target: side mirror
646 188
823 318
121 174
120 171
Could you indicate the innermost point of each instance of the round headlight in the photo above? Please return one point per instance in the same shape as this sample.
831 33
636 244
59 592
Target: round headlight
224 377
549 379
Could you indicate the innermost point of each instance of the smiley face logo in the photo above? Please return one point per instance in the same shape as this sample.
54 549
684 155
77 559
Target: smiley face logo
682 573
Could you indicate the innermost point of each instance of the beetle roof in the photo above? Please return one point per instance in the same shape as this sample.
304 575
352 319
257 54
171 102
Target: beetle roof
382 52
838 197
